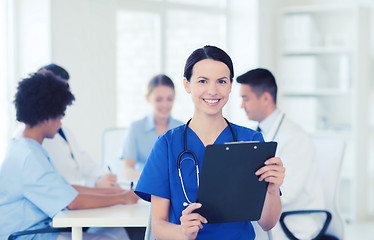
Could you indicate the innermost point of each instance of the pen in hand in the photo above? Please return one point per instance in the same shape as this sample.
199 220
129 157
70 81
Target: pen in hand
110 170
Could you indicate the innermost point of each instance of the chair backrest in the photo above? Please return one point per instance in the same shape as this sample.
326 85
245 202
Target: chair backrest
111 142
330 152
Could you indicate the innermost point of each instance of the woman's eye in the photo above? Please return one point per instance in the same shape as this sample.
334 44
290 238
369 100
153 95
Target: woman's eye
221 81
202 81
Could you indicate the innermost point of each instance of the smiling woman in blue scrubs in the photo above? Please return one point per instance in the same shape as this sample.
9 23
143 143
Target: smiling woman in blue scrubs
208 78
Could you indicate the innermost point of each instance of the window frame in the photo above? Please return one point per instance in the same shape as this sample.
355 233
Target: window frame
162 8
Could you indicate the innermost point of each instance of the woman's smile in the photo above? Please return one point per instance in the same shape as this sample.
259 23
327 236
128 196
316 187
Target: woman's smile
211 101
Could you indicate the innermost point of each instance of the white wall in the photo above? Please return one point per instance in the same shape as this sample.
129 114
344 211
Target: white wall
33 35
84 42
4 122
29 44
243 49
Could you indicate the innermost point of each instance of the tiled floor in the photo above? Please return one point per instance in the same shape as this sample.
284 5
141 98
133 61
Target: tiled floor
360 231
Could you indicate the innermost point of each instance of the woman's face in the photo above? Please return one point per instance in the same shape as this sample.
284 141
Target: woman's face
209 86
161 99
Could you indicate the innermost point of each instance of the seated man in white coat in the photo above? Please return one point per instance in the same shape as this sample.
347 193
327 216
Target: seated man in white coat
301 189
71 162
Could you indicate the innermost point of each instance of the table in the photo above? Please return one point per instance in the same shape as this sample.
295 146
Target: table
130 215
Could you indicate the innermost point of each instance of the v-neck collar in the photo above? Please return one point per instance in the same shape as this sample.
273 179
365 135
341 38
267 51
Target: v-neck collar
217 141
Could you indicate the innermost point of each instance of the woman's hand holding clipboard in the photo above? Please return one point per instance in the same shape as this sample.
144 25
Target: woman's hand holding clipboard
192 222
273 172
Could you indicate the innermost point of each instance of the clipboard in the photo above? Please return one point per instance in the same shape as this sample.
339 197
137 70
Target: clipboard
229 190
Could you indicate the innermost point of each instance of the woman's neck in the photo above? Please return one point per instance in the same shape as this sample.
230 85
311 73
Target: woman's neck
208 128
33 133
161 125
161 121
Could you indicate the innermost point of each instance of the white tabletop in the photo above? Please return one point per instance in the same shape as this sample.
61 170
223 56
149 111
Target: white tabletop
130 215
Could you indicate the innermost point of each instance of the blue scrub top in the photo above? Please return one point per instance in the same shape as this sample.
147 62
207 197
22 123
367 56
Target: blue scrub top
160 177
31 191
140 138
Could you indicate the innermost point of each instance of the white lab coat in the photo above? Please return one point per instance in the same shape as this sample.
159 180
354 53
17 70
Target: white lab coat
81 169
301 188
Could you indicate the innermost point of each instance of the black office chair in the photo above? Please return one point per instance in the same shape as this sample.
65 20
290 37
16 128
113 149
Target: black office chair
322 233
38 231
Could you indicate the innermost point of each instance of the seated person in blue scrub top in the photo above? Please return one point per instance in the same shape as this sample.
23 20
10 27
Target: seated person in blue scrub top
142 134
31 190
208 76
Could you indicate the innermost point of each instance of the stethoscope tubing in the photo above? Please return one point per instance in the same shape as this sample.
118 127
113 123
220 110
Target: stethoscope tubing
194 158
279 125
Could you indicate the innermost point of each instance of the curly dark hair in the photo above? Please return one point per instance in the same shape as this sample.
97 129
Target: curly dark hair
41 97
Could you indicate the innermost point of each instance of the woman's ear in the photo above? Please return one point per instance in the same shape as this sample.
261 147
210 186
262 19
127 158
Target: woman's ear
147 97
186 85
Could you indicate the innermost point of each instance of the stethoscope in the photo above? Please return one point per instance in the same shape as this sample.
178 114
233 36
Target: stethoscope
194 158
279 125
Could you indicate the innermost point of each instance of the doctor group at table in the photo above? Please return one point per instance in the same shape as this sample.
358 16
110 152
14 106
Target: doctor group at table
163 151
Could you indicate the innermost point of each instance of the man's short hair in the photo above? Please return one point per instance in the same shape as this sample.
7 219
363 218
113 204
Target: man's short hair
260 80
56 70
40 97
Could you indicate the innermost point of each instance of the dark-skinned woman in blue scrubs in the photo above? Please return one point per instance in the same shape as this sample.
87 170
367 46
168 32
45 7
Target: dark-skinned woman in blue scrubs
208 77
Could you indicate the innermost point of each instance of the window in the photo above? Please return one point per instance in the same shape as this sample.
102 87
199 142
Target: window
24 47
209 3
4 104
186 32
158 39
138 59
